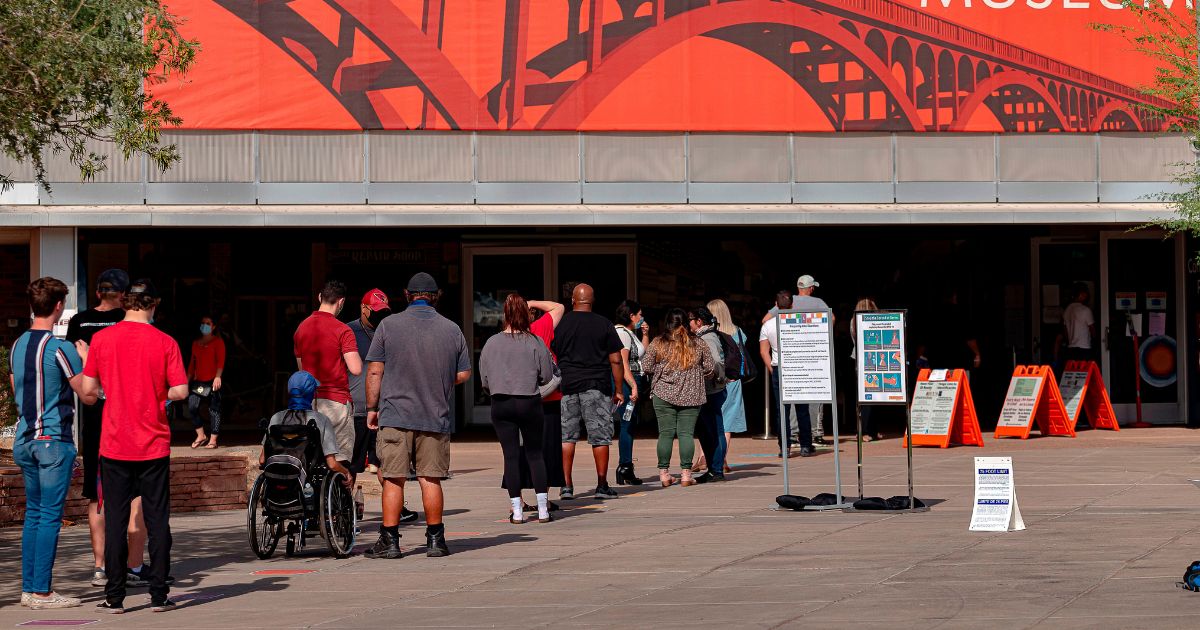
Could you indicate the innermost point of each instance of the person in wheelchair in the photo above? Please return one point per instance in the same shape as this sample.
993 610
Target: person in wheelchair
302 387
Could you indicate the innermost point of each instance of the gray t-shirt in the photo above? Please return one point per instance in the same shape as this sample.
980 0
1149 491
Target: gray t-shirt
362 337
515 365
421 352
804 303
329 444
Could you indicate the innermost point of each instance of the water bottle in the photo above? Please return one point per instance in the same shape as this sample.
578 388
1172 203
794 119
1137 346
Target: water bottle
360 503
308 495
628 415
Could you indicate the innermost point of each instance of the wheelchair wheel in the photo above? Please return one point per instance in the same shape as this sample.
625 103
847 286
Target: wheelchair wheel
263 531
338 515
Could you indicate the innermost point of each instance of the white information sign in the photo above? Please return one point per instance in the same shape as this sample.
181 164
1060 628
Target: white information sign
1071 385
805 356
1020 402
996 507
60 326
879 349
938 375
933 407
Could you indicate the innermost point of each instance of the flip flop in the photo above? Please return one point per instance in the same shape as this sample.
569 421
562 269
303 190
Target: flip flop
199 442
210 445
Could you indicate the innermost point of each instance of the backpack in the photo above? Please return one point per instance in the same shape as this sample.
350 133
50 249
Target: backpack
732 355
1191 578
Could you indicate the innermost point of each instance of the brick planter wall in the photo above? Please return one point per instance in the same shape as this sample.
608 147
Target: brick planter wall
198 484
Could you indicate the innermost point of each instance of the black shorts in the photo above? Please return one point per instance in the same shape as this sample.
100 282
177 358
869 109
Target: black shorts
90 448
364 446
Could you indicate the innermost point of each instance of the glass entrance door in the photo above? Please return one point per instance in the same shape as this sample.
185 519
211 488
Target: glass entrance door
1058 266
1142 291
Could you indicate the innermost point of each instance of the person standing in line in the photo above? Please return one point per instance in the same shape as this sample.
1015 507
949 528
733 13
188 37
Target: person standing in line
110 290
864 411
769 351
733 412
677 363
140 369
204 382
629 324
44 372
416 359
327 349
513 366
543 328
589 357
710 426
372 310
1079 326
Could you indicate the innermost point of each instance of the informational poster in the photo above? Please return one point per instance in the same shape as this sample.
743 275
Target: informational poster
995 507
1158 324
881 359
805 357
1021 401
1156 300
60 326
1072 386
1126 300
933 407
938 375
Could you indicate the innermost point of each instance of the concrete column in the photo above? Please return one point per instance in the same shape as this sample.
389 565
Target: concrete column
55 252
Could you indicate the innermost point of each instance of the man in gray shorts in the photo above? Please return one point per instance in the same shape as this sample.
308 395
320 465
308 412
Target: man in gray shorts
589 357
416 359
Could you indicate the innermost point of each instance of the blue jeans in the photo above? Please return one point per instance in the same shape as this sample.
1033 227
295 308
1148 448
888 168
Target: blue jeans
46 466
625 429
710 429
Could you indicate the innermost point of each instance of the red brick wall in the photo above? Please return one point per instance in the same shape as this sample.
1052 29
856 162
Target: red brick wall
198 484
14 277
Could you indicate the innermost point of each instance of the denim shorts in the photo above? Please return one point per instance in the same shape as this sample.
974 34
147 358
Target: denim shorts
591 410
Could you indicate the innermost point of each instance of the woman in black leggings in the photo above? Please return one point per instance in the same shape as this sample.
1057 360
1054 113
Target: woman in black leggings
512 366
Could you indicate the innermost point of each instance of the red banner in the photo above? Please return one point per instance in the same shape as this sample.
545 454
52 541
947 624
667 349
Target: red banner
662 65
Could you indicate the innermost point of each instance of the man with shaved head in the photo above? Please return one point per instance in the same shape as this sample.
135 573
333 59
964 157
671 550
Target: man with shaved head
589 357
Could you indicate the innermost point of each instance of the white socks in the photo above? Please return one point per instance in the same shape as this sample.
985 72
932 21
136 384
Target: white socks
543 502
517 504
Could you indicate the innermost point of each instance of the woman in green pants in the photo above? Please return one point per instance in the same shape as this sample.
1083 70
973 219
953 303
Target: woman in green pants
677 363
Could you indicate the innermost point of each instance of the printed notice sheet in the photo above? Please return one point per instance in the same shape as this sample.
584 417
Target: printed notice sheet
805 357
995 497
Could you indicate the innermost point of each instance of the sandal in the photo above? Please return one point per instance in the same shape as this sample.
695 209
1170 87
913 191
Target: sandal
200 441
211 444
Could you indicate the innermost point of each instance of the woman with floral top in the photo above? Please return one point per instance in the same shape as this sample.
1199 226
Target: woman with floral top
677 363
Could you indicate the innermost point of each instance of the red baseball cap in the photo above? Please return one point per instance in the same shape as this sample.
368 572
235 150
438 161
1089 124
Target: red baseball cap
376 300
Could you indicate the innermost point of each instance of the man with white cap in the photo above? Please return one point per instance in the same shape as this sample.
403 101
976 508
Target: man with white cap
804 300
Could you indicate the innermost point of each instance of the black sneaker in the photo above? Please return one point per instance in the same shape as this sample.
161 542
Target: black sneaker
165 605
134 579
819 441
605 492
112 609
386 548
437 547
806 451
552 506
566 493
408 516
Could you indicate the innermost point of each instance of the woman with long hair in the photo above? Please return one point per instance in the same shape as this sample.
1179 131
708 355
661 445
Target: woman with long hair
635 335
864 411
733 412
513 366
677 363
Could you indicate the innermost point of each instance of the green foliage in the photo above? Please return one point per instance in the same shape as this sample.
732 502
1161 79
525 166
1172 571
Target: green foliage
8 400
74 72
1170 37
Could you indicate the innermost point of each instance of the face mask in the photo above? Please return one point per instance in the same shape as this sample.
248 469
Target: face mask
375 317
205 329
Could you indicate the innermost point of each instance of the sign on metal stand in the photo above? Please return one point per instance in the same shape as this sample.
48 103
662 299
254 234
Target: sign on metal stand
882 363
804 339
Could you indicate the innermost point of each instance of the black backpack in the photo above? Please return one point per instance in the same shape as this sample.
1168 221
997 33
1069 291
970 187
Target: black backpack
732 355
749 368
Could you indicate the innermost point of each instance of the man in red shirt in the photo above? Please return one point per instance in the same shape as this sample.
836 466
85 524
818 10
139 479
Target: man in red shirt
140 368
327 349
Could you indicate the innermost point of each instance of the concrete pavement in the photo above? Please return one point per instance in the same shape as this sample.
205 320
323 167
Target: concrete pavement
1112 522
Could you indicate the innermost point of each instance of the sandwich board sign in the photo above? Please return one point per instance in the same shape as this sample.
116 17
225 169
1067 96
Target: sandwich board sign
1083 389
995 508
943 411
1033 396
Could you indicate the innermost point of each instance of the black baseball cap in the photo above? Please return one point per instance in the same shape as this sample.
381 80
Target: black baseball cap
113 281
143 286
422 283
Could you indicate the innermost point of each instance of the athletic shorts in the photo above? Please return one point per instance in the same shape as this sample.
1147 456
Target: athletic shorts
340 416
402 451
591 410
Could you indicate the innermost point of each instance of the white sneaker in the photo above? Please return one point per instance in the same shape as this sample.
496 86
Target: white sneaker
25 597
99 578
54 600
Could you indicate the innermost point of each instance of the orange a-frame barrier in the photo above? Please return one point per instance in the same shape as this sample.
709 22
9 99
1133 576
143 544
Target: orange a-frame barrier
1033 395
1093 397
964 423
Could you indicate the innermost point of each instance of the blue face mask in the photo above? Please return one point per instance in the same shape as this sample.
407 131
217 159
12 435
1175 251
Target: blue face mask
205 329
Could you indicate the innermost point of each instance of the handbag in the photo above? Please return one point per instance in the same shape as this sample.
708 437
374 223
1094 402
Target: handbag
635 355
202 389
551 385
749 368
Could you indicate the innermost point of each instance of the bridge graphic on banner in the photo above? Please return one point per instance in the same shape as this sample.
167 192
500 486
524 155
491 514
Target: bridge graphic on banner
870 65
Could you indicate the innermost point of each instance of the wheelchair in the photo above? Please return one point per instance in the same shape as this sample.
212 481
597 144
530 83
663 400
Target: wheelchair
297 495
